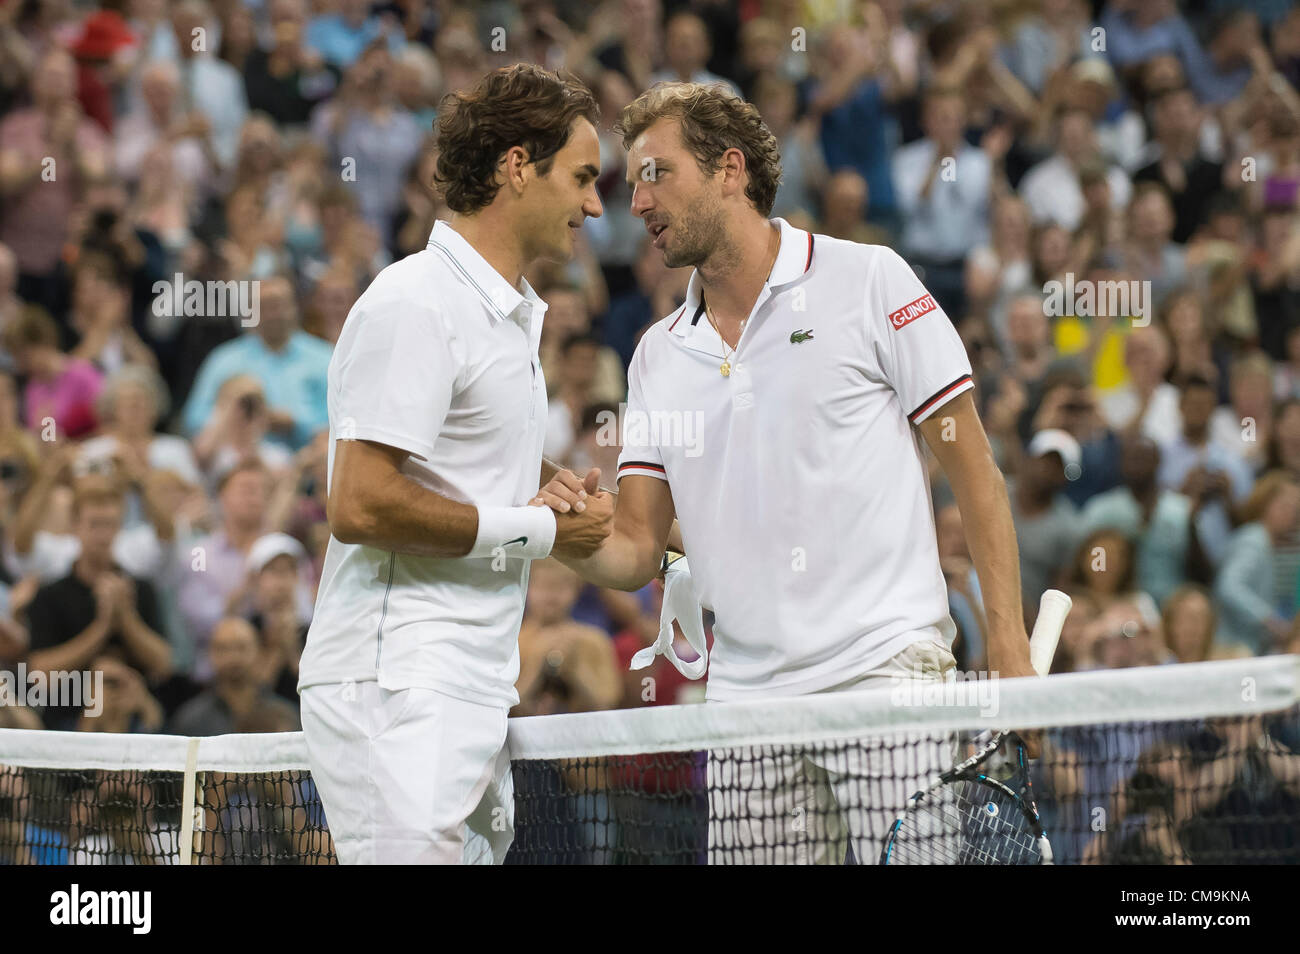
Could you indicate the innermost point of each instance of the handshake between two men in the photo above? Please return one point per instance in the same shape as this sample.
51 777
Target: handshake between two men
584 514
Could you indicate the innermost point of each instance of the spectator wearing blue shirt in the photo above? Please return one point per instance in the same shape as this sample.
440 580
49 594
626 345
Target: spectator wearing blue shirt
1244 589
291 365
1137 30
850 104
341 37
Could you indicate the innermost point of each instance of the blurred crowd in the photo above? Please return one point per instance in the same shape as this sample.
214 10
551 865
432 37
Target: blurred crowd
162 469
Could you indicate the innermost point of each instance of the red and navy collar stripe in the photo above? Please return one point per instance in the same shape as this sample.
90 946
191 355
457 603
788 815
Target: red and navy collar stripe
938 397
699 309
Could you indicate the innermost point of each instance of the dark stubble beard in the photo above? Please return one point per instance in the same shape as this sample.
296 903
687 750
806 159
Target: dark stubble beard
699 232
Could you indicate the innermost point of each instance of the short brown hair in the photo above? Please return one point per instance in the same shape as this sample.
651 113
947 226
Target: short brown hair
521 105
33 326
243 465
713 119
1268 486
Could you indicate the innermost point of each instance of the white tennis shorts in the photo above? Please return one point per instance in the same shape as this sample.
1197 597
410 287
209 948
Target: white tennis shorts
410 777
776 805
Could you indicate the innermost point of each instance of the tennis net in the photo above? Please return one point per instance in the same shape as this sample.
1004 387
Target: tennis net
1194 763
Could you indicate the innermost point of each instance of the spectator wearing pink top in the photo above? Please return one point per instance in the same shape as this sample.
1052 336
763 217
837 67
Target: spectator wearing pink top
59 388
48 152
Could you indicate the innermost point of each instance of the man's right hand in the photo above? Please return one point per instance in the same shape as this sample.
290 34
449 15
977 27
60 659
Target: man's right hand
579 535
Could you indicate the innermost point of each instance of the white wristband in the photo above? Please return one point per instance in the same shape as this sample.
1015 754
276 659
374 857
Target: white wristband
526 533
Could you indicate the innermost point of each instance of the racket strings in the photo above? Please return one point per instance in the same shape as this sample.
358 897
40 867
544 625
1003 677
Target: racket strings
965 823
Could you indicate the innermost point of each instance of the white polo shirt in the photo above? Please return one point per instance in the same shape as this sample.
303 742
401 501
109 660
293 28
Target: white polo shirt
799 480
439 358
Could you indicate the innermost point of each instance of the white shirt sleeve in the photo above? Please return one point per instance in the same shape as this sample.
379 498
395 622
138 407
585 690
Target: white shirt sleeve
395 380
639 455
919 351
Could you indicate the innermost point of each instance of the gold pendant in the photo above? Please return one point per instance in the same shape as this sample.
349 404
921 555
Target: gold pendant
725 369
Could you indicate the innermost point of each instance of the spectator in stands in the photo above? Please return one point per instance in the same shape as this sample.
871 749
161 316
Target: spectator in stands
61 391
287 80
101 317
42 549
1189 623
574 391
54 145
1245 586
365 122
564 665
1147 404
1158 522
1245 426
289 363
850 105
1200 468
1150 251
1027 341
803 167
1044 518
1052 188
159 122
687 49
630 38
274 565
1178 160
211 577
118 823
237 697
211 87
1195 349
943 186
134 401
22 840
1001 270
239 428
1104 566
598 441
331 301
126 704
844 204
1284 442
96 608
341 37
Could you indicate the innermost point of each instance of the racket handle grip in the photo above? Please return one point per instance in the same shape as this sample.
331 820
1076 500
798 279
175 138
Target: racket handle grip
1052 610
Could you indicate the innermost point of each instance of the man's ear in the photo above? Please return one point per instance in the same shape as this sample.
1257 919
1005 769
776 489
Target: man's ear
515 168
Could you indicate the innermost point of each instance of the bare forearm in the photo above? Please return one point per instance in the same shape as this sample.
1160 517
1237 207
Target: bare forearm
153 652
621 563
991 537
74 654
402 516
30 514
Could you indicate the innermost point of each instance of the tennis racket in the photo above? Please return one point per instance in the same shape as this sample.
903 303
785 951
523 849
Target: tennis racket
982 811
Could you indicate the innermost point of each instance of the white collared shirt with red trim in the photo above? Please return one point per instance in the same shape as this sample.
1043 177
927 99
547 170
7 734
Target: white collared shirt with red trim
799 480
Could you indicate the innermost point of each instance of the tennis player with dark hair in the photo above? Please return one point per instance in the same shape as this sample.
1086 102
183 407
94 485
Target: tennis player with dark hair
437 411
809 365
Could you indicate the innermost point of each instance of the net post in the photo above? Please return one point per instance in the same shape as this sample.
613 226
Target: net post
189 806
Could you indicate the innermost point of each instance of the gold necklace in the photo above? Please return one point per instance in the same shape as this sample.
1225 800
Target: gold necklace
725 368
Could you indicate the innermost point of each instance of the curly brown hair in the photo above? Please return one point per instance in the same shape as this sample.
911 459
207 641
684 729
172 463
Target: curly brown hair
521 105
713 119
